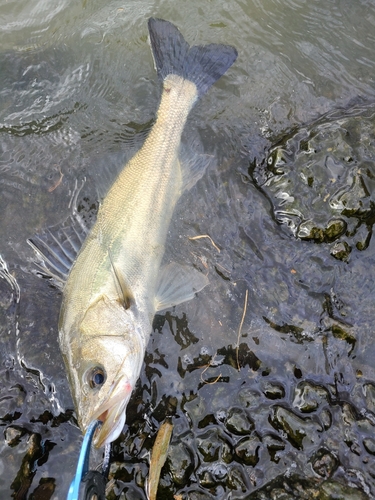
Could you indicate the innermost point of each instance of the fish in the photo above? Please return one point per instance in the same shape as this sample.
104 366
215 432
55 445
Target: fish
118 282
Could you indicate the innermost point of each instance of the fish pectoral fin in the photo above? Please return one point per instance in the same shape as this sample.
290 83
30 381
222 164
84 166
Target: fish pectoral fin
125 294
177 284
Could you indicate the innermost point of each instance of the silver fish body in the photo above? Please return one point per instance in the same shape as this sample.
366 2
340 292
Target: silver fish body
117 282
124 250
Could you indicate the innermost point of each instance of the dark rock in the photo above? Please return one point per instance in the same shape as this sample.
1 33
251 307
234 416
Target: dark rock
341 251
247 450
214 447
238 422
180 463
369 445
308 397
324 463
273 390
295 427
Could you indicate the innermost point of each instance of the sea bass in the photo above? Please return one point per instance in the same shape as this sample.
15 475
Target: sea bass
117 282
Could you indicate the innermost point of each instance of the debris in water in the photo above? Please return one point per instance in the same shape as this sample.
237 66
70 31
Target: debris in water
205 236
158 457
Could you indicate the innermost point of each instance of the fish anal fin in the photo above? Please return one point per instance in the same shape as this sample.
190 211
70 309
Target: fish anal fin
178 284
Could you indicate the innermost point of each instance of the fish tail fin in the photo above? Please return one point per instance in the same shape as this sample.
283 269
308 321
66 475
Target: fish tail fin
201 64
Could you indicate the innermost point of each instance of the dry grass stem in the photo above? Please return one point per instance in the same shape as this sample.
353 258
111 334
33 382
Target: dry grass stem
57 183
222 267
205 236
240 328
205 369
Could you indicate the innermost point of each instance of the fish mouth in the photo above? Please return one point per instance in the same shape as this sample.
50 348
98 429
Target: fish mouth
112 413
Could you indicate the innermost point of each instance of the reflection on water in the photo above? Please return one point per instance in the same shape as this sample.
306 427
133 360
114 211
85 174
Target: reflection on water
78 93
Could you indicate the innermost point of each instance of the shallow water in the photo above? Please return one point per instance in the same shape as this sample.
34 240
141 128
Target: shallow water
78 93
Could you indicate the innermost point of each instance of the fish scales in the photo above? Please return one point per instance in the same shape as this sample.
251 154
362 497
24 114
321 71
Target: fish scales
136 212
117 282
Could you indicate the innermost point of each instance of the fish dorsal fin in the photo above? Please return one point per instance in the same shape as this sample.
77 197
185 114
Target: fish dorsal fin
125 294
177 284
57 247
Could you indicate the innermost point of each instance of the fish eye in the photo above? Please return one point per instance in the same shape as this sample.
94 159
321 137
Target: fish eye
96 377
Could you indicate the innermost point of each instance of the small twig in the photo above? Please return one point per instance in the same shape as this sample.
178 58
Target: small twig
57 183
205 369
202 259
222 267
240 328
205 236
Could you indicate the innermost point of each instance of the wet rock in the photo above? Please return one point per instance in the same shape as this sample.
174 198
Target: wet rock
247 450
326 418
180 463
13 435
287 488
211 475
291 487
308 397
273 390
122 472
308 231
299 334
11 400
44 490
128 478
341 251
240 356
274 445
206 479
195 407
335 228
344 334
369 392
194 494
37 452
135 443
369 445
212 447
351 436
296 428
364 238
332 489
320 181
238 422
249 398
236 479
324 463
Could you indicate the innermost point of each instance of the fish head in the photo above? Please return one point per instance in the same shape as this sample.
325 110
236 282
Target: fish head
103 361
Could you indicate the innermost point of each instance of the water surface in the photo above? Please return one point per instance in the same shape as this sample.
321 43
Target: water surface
78 93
